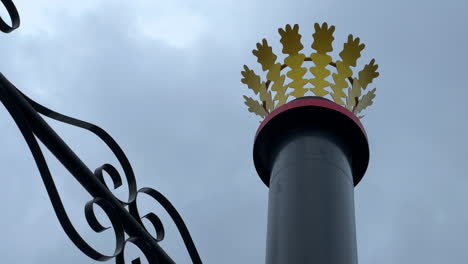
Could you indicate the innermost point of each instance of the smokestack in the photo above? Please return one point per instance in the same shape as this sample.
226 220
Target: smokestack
311 152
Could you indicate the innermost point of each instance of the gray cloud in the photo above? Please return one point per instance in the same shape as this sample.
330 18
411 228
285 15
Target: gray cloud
172 99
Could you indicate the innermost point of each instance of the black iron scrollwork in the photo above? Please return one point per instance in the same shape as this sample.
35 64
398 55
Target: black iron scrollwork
14 16
123 215
25 113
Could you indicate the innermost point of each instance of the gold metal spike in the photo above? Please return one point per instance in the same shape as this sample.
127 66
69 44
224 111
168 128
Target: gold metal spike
255 107
265 55
291 39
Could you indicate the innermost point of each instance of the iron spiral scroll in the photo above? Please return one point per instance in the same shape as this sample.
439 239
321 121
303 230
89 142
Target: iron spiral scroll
124 215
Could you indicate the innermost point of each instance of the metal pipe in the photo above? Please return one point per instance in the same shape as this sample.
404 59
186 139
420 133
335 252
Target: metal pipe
311 153
311 203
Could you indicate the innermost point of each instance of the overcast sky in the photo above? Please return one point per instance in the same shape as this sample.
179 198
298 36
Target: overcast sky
163 78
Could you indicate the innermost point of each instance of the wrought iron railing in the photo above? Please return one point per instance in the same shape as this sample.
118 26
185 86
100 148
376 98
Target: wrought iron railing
125 219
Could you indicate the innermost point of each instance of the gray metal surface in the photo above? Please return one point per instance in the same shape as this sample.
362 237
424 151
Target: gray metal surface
311 201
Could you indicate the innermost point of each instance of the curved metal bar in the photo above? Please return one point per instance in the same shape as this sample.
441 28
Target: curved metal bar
179 222
51 189
25 114
115 176
115 222
157 224
144 248
15 19
32 125
106 138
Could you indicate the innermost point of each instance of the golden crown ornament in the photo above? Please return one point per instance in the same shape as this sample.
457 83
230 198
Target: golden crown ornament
275 91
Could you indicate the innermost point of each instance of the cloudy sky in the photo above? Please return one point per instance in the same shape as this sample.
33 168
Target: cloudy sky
163 78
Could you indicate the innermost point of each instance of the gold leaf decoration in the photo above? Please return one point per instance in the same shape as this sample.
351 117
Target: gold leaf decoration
368 74
252 80
349 55
343 72
353 95
291 39
273 92
274 75
351 51
265 55
323 38
365 101
267 99
297 74
320 72
255 107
